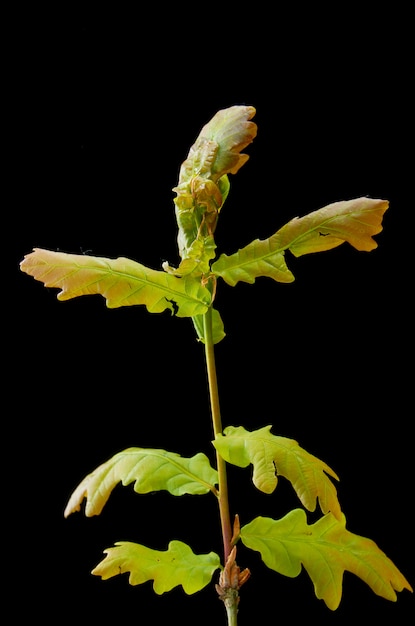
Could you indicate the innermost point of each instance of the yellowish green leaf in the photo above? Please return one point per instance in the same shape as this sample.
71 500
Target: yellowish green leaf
218 331
150 470
176 566
259 258
197 261
121 282
326 550
271 456
353 221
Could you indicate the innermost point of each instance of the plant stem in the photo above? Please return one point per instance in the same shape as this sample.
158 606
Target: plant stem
232 614
217 429
231 599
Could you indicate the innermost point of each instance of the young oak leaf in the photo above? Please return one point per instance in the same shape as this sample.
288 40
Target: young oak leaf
197 261
121 282
218 330
203 183
217 149
271 456
259 258
232 130
176 566
326 550
354 221
151 470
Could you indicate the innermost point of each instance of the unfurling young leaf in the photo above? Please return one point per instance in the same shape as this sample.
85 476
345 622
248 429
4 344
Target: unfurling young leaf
354 221
121 281
176 566
272 456
197 261
203 182
327 550
150 470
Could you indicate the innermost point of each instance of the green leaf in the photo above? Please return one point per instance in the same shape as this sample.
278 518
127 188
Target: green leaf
151 470
218 331
326 549
121 281
197 261
272 456
354 221
259 258
176 566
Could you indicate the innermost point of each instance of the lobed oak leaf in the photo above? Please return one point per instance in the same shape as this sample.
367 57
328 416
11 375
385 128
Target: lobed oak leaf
353 221
121 282
178 565
326 550
151 470
271 456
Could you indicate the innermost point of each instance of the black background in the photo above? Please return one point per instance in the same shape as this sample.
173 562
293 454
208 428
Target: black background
104 106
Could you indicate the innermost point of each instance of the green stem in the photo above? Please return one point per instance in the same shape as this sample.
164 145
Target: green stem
217 429
232 596
232 613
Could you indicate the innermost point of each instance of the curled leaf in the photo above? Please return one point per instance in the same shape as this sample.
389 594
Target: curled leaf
232 131
150 470
326 550
203 182
178 565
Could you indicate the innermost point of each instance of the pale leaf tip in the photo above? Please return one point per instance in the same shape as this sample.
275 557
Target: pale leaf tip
70 509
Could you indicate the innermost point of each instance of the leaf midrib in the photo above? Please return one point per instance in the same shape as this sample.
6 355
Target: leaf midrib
169 460
127 276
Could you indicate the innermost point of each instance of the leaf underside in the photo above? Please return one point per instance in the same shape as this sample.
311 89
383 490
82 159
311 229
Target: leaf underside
271 456
353 221
121 282
326 550
176 566
150 470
